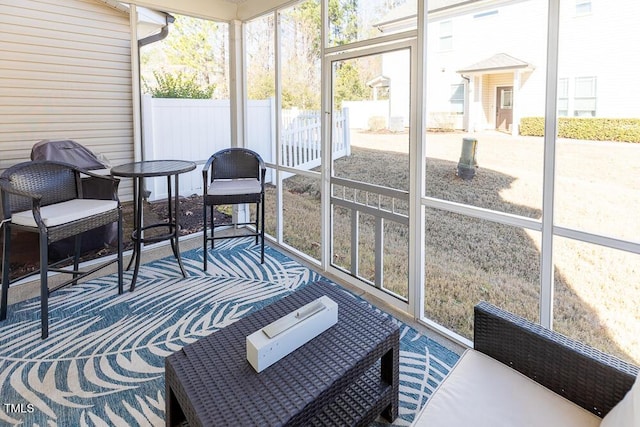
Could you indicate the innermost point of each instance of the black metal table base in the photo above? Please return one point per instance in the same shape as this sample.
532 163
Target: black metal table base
156 168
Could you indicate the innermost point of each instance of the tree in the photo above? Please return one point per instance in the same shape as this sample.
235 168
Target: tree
260 57
343 21
195 47
349 86
180 85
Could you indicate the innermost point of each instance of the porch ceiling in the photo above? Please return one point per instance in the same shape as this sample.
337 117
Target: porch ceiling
225 10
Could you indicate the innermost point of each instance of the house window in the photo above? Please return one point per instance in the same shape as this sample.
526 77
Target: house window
446 35
583 7
485 14
457 99
506 99
584 97
563 97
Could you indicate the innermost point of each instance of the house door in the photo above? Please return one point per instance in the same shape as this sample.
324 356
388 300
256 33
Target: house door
504 109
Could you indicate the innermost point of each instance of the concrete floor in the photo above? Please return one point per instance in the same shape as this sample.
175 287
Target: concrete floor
31 288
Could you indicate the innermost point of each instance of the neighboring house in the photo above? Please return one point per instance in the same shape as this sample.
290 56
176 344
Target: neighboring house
66 73
486 61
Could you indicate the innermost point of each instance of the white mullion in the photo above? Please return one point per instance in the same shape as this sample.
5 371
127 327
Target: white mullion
550 132
326 225
238 103
278 119
417 281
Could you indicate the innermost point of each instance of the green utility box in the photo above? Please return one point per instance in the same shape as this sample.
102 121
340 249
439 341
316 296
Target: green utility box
468 164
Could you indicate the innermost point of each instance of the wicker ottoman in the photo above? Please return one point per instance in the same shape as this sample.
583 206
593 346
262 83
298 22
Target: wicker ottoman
348 375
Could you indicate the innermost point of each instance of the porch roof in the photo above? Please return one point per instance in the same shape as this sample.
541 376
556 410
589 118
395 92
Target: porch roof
496 63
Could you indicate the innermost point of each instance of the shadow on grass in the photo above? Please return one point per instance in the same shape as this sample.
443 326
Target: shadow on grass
470 259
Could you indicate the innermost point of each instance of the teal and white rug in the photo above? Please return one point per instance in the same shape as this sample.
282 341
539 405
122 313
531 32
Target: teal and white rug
103 363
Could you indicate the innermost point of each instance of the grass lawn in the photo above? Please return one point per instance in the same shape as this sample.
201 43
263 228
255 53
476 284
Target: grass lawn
597 294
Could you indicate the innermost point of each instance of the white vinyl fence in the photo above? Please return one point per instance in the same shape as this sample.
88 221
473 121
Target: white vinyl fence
194 129
301 136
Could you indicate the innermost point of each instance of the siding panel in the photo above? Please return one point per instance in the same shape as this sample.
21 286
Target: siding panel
65 72
74 44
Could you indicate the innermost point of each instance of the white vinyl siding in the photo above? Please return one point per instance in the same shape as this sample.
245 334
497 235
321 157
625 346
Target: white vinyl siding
65 72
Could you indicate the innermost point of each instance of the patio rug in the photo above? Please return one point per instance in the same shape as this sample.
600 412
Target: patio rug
103 363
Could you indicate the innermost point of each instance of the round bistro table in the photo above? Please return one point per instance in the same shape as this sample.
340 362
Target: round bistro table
151 169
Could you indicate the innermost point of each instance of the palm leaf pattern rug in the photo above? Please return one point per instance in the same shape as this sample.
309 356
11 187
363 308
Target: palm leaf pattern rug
103 363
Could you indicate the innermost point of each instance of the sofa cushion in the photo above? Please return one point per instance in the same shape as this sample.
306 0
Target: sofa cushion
64 212
627 412
483 392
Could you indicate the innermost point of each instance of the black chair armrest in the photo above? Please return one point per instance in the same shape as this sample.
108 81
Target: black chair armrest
588 377
205 173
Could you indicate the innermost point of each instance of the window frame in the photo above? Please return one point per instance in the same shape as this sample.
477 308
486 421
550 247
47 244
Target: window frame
581 99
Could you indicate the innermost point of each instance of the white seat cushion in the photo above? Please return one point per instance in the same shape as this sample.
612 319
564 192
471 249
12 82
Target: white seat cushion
627 412
483 392
64 212
229 187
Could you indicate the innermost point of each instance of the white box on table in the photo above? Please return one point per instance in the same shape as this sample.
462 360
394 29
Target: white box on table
271 343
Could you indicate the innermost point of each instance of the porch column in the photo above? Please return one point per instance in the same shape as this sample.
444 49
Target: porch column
470 107
477 118
515 112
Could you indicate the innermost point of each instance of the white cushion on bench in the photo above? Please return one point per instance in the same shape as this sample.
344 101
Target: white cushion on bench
627 412
234 187
65 212
483 392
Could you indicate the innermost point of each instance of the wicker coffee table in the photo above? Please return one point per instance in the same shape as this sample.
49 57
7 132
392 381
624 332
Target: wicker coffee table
348 375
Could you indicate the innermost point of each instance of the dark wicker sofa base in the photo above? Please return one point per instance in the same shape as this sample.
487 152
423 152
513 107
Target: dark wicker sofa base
590 378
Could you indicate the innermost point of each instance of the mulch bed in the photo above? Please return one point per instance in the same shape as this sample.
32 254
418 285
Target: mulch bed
24 259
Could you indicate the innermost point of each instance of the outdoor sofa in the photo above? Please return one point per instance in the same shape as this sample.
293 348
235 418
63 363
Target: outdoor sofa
521 374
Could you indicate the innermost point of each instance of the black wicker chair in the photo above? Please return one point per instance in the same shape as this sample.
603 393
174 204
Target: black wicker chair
237 176
45 197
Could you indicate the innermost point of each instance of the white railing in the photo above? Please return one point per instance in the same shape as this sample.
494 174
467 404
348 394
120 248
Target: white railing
301 138
193 129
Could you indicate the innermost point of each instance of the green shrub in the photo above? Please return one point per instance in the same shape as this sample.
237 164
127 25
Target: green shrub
179 85
594 129
532 126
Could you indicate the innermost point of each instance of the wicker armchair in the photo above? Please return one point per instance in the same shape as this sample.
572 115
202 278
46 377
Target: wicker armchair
520 373
237 176
45 197
584 375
